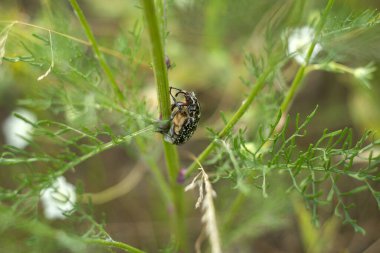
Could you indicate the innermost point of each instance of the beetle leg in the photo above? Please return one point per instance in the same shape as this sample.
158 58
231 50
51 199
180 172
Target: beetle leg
170 92
174 88
175 113
180 104
180 92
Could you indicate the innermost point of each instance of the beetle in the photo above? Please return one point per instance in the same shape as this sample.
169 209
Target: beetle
184 118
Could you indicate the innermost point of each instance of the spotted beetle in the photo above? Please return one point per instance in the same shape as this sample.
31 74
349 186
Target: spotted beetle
184 119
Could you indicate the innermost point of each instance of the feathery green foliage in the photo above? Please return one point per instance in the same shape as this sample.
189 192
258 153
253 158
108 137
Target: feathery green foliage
92 101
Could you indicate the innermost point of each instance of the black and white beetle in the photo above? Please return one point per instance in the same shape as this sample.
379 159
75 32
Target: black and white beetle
184 119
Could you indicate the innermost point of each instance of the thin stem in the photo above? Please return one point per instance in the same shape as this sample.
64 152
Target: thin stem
95 47
115 244
301 72
336 67
293 88
102 148
84 42
171 155
122 188
235 118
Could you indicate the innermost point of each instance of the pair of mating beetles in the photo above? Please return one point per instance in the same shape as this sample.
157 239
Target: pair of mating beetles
184 118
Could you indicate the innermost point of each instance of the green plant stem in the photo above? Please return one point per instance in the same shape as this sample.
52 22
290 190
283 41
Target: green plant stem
334 66
115 191
95 47
108 51
171 155
301 72
114 244
293 88
100 148
103 147
159 66
235 118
